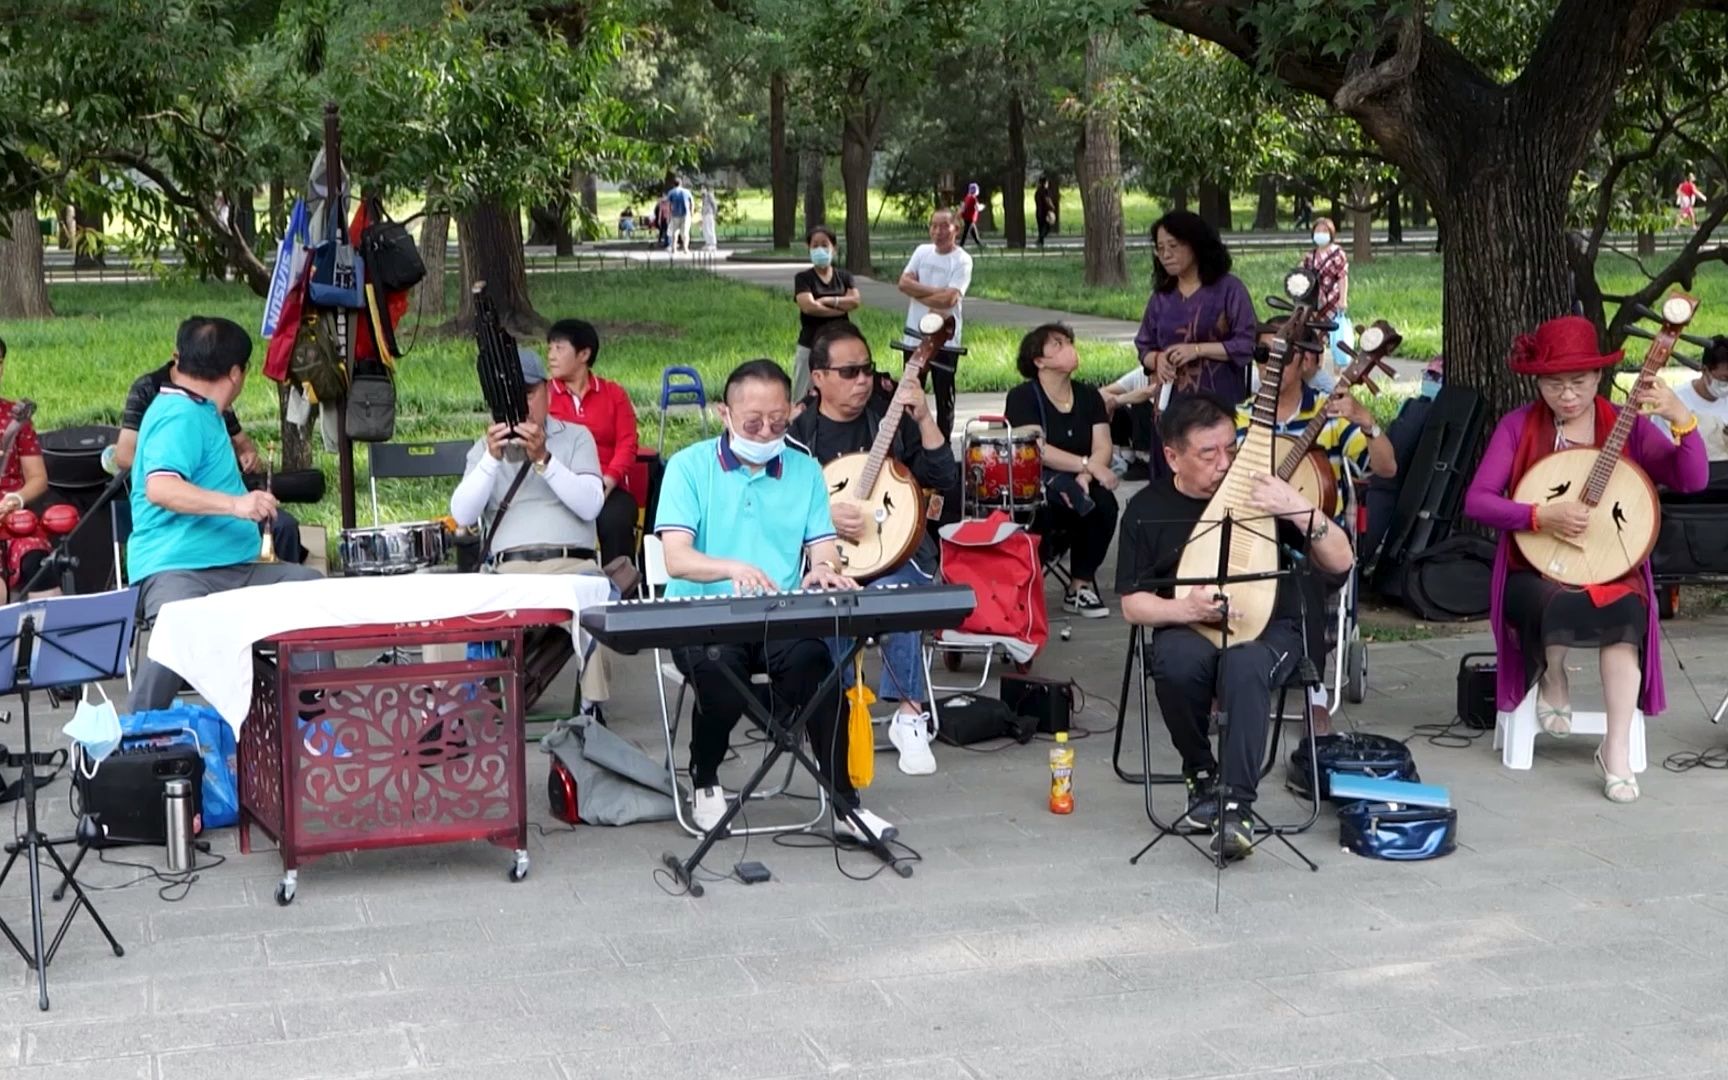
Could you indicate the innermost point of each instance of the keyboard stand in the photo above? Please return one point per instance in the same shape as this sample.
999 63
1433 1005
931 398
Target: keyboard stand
788 738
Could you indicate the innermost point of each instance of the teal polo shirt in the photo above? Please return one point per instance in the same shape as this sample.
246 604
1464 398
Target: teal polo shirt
183 434
765 517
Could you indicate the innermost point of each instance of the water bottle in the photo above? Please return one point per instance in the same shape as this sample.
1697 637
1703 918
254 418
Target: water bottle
177 799
1061 775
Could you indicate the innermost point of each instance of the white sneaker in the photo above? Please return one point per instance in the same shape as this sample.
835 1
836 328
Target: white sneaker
844 827
910 735
707 807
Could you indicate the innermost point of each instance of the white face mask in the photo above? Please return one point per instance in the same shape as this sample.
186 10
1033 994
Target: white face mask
755 453
1718 387
95 726
1321 239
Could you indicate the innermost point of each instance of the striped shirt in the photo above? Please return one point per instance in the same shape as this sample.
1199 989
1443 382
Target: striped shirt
1339 439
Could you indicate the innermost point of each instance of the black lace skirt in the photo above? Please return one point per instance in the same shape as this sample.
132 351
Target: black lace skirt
1546 614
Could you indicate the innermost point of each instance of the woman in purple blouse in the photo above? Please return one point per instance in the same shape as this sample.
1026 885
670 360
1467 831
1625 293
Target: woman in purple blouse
1199 322
1535 619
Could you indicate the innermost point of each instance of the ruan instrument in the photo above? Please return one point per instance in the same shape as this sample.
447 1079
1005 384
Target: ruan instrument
1308 470
1625 514
1254 537
892 501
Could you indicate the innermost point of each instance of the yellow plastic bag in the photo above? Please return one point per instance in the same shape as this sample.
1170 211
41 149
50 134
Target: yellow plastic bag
861 740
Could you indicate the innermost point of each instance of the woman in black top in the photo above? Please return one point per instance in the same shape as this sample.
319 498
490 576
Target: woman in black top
1079 507
824 292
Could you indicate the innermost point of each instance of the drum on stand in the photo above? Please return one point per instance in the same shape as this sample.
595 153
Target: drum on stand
1001 469
393 549
73 457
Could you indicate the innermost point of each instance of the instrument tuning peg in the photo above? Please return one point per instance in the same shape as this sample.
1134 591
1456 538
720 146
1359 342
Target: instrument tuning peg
1696 363
1280 303
1368 381
1644 312
1697 339
1634 330
1349 350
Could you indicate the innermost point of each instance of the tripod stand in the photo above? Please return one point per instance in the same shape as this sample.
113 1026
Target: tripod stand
44 644
1284 663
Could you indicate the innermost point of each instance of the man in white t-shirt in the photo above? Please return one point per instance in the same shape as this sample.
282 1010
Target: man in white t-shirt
936 279
1707 397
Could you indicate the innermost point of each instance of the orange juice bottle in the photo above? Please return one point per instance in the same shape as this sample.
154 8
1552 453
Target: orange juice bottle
1061 775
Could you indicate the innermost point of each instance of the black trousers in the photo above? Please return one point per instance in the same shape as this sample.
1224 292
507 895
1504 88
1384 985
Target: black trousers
1085 537
796 669
970 230
617 526
1131 427
939 376
1188 672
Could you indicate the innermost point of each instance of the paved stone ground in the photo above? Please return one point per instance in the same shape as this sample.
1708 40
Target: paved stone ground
1567 937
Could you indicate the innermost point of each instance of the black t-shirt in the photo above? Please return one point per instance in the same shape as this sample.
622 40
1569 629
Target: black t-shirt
826 439
144 390
838 284
1156 526
1071 430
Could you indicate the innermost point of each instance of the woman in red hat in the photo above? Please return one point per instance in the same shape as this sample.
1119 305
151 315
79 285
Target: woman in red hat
1535 619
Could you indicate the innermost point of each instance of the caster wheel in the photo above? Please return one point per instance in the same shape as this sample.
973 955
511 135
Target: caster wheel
284 894
951 660
1356 672
519 869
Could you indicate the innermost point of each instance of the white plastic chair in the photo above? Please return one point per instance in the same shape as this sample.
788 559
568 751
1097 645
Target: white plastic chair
1515 733
654 579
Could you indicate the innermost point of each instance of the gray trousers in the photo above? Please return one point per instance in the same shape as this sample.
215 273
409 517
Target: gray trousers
154 686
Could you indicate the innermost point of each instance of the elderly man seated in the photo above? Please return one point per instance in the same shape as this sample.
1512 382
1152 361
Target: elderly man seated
538 492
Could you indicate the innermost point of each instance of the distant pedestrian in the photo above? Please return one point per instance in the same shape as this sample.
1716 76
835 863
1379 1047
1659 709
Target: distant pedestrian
1304 210
1044 202
969 216
663 219
710 220
1686 196
680 203
1332 305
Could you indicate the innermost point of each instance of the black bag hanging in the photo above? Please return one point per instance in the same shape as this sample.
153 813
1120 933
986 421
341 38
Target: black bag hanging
371 403
1450 581
392 257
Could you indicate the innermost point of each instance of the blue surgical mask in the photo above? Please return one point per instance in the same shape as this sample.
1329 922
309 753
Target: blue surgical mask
755 453
1321 239
1430 387
822 256
95 726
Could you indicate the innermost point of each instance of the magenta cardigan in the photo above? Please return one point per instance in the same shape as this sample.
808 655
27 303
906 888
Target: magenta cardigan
1682 467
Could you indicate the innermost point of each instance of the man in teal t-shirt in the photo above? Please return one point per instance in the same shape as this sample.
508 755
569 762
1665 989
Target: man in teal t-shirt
194 525
739 514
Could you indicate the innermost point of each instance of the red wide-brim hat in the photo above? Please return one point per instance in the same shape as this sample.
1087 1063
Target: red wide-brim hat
1560 346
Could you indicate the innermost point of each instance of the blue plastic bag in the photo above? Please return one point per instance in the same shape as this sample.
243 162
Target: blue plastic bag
216 745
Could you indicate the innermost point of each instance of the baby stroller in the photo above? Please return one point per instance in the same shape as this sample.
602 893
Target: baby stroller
998 558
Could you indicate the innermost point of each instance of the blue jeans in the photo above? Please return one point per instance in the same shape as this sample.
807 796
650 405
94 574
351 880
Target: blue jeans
902 654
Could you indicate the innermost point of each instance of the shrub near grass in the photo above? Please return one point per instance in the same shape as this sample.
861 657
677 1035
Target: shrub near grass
78 366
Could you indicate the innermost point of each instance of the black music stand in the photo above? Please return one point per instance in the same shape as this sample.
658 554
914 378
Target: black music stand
1148 779
64 641
788 739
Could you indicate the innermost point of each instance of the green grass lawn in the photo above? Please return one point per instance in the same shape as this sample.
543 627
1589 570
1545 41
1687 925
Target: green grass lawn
77 366
1403 289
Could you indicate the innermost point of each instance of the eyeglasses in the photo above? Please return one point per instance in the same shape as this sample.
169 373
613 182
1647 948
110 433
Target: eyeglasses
754 425
851 371
1577 384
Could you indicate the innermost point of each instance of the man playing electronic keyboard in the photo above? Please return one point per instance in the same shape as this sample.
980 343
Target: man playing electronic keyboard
1188 672
739 514
194 524
845 421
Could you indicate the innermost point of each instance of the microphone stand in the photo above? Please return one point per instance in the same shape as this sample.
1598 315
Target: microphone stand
61 559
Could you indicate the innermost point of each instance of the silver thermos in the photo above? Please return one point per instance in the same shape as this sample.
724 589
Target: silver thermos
177 801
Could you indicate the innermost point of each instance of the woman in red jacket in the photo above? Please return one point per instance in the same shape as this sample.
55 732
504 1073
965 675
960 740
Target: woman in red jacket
581 397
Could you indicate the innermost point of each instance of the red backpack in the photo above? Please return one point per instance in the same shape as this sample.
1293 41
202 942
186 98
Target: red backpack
999 560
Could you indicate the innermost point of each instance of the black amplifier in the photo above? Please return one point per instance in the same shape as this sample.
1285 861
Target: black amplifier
126 794
1050 702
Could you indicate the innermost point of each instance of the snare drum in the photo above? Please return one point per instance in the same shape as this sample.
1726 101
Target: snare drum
393 549
1003 470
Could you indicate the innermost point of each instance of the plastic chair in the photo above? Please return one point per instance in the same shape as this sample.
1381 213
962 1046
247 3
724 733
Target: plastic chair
1515 733
654 579
680 385
400 461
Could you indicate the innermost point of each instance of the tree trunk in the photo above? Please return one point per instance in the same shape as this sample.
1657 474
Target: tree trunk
1014 176
88 247
1179 197
245 215
1394 214
296 441
490 234
430 296
986 208
588 191
779 169
551 226
1361 224
1418 209
1334 209
856 149
1266 204
1646 243
23 284
815 194
1099 164
278 222
1215 205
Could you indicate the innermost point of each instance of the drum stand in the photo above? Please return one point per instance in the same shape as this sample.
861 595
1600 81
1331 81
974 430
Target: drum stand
1147 777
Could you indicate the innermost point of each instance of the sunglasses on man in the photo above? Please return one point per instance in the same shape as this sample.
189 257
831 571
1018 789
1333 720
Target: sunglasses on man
851 371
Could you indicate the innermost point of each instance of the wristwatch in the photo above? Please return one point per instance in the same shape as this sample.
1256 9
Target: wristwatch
1086 464
1374 431
1317 532
541 465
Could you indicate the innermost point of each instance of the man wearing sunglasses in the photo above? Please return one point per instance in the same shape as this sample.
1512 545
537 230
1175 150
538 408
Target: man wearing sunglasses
738 514
845 420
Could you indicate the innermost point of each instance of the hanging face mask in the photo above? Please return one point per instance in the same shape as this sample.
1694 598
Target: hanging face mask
822 256
752 452
1718 388
1321 239
95 726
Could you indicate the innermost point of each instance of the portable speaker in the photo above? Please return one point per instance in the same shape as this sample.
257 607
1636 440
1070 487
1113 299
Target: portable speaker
126 793
1477 673
561 791
1046 701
